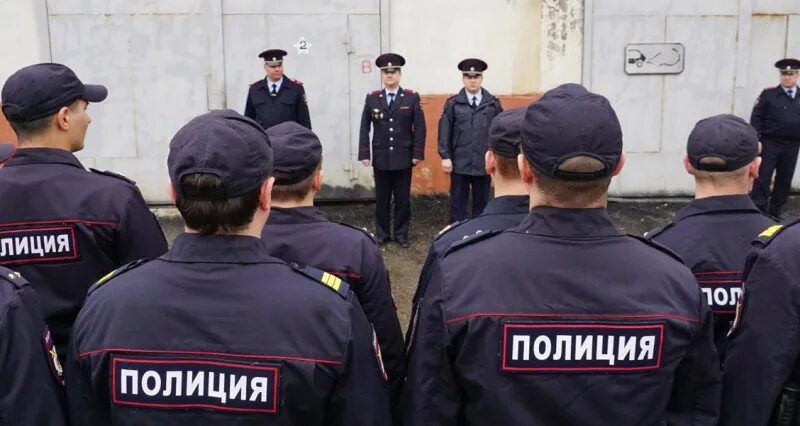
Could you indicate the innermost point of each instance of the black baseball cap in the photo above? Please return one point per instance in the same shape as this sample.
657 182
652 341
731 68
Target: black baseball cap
505 132
567 122
6 151
723 136
40 90
390 61
297 152
223 143
472 66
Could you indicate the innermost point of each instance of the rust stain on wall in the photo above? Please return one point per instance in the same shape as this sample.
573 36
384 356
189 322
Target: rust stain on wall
428 177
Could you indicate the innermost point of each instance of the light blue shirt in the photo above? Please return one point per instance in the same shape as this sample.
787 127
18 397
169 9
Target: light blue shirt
277 85
394 91
478 96
793 89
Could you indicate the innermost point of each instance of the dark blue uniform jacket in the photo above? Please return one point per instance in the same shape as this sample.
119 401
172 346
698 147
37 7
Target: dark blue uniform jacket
216 331
289 104
64 227
305 236
398 131
562 321
712 235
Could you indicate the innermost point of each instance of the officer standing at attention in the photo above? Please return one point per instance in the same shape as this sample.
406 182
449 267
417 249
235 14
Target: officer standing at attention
30 392
761 369
593 327
298 232
217 331
398 143
276 98
61 226
712 233
463 139
510 205
776 117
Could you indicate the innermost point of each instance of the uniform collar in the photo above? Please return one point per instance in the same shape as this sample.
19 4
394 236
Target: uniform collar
27 156
575 223
468 96
283 216
396 91
218 249
721 203
508 204
278 84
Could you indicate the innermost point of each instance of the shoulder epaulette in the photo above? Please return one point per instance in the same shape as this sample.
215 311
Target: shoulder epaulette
766 236
375 92
408 91
360 229
328 280
466 240
112 174
14 277
117 272
657 231
659 247
448 228
296 81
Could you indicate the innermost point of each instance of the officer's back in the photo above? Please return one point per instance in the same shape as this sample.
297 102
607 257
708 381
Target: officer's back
563 320
31 384
62 226
298 232
712 233
216 331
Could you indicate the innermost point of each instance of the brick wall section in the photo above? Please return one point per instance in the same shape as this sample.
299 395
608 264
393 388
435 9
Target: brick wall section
428 176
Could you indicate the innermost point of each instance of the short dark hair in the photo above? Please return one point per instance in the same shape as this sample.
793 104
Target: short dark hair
30 129
578 192
215 216
506 167
292 192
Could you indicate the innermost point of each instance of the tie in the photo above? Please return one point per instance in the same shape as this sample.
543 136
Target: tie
791 93
274 89
474 101
391 99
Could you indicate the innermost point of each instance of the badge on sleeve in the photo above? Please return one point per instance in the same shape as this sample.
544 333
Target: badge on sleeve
378 357
738 319
52 356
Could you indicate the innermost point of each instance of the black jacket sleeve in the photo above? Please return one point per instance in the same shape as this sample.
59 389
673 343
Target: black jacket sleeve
361 395
363 137
759 109
249 109
303 116
140 235
419 129
445 131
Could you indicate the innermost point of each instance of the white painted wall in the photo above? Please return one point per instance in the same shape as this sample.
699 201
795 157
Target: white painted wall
731 46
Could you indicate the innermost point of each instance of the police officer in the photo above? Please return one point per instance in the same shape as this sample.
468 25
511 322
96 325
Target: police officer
276 98
563 320
761 370
217 331
463 139
398 143
712 233
30 392
61 226
776 117
298 232
510 205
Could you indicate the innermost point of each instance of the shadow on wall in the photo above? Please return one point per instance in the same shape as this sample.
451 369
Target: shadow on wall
428 175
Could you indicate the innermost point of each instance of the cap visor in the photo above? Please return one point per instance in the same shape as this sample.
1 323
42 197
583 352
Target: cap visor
94 93
6 151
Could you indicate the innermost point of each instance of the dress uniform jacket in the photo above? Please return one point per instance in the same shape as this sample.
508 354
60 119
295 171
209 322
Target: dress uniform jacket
712 235
501 213
764 343
776 116
63 228
464 132
290 103
30 392
216 331
398 130
305 236
562 321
